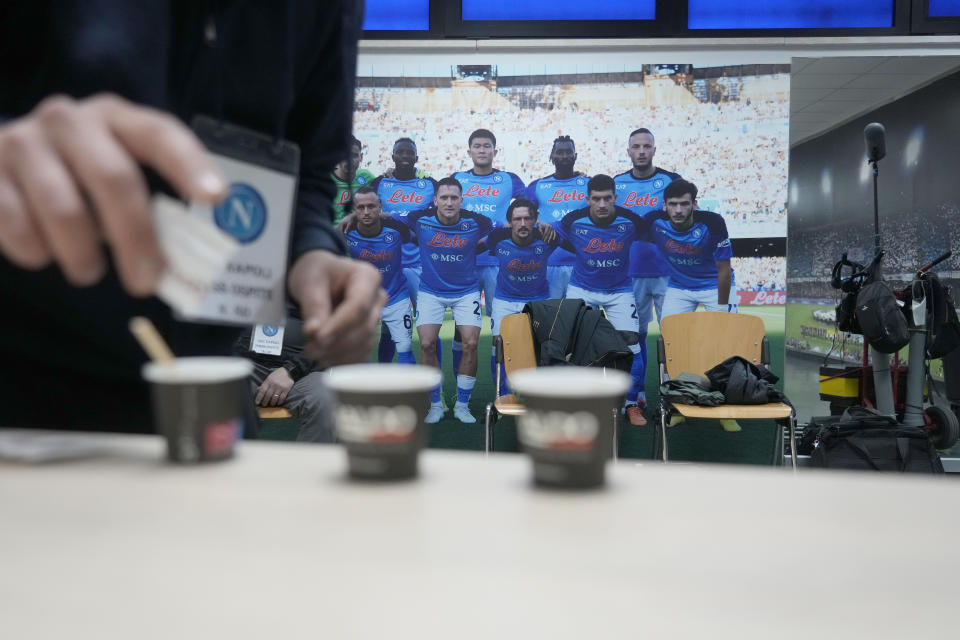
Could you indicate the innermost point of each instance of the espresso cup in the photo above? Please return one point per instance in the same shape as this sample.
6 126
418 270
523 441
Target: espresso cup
379 416
567 427
199 405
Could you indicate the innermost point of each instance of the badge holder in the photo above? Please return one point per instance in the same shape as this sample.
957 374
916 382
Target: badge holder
262 173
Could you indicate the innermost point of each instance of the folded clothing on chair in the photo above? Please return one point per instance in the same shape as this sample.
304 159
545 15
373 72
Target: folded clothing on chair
689 388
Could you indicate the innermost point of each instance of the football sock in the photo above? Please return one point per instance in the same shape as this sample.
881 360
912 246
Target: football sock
465 387
406 357
435 395
457 351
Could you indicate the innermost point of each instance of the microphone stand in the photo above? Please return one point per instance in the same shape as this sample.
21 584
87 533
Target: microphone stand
882 380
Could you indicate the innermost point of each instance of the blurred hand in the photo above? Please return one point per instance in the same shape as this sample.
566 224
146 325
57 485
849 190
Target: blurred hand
341 300
273 392
70 180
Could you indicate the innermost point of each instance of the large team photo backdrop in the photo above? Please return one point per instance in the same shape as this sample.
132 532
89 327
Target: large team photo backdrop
723 128
831 212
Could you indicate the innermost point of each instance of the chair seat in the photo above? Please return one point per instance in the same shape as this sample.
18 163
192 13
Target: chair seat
772 410
273 412
508 405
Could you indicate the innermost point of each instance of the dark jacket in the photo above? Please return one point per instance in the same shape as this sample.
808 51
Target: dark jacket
284 68
568 332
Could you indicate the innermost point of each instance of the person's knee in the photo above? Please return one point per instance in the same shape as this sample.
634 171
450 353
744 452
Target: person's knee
428 342
469 340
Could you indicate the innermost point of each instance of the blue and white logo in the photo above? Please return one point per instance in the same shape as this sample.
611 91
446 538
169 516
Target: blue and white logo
243 214
658 183
583 181
388 237
498 178
464 226
538 250
421 184
269 330
360 180
621 228
697 232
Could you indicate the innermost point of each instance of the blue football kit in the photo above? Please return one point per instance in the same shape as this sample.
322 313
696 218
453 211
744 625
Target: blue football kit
384 251
448 252
602 251
692 255
490 196
399 198
556 198
641 196
523 268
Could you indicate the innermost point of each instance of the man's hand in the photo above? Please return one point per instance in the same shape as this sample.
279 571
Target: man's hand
347 224
341 300
273 392
547 232
70 180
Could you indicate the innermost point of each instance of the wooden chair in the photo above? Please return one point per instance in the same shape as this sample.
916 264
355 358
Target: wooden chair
696 342
514 349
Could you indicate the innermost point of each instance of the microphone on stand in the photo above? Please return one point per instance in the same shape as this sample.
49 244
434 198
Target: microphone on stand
875 136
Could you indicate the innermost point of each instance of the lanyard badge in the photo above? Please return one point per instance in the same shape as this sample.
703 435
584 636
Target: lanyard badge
262 173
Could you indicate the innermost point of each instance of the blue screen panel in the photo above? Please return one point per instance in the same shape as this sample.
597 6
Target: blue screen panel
789 14
559 10
397 15
944 9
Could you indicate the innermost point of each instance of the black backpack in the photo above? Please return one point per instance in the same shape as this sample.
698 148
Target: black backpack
881 321
862 439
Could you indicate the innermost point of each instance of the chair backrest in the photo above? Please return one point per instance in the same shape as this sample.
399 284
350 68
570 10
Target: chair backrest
696 342
517 338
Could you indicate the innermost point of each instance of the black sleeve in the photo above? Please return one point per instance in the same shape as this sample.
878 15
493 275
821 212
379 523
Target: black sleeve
321 121
495 236
405 234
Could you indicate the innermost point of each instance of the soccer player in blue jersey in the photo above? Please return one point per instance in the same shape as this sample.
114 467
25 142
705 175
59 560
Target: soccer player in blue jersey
486 191
378 240
402 191
556 196
523 256
448 236
641 190
601 234
697 248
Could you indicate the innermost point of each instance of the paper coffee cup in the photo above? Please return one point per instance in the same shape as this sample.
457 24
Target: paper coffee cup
199 405
567 427
379 416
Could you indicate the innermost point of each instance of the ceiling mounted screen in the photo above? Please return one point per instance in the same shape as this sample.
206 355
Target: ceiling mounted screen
397 15
944 9
791 14
559 10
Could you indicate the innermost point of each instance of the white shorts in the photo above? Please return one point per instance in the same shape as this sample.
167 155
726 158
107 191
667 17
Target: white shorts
487 277
504 308
466 309
398 317
558 278
648 293
686 300
620 308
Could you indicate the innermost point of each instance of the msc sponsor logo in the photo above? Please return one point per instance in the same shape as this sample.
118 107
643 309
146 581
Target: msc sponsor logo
609 263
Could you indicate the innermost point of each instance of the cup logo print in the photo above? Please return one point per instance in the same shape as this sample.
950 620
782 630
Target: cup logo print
374 424
559 430
243 214
270 330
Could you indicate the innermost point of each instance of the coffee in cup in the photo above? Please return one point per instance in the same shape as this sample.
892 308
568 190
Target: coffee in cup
199 405
567 427
379 416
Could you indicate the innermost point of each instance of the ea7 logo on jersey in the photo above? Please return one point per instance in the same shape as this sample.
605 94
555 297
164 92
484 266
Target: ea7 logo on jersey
558 429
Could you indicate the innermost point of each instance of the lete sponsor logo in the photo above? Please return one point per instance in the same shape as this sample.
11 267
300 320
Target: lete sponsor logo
763 297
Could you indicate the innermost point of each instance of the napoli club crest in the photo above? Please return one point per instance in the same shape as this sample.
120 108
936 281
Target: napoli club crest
464 226
361 180
581 182
621 228
658 183
538 250
421 184
388 238
498 178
